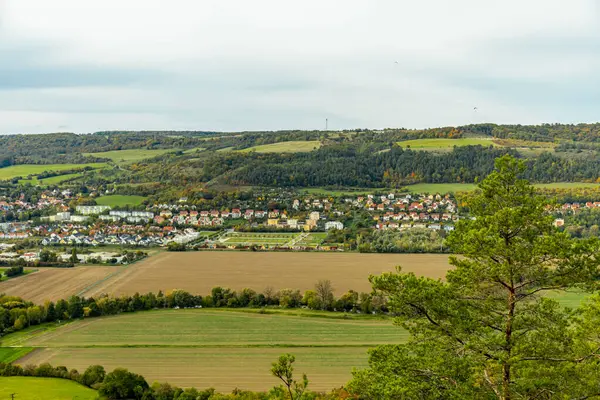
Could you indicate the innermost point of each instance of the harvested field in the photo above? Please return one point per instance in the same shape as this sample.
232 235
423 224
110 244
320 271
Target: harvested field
54 283
221 368
199 272
218 348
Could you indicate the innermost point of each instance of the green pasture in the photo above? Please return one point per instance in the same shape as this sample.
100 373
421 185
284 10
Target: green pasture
34 169
130 155
440 144
118 200
465 187
10 354
54 180
296 146
29 388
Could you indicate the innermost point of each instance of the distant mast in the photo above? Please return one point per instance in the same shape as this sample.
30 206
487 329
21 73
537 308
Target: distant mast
326 124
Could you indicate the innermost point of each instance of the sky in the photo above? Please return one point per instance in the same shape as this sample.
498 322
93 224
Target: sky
236 65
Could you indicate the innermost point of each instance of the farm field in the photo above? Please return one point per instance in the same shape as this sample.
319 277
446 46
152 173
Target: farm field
34 169
464 187
130 155
217 348
10 354
269 239
346 192
194 150
44 389
54 180
440 187
3 277
54 283
441 144
298 146
118 200
199 272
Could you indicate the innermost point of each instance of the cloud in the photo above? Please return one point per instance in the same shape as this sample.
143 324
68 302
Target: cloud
267 64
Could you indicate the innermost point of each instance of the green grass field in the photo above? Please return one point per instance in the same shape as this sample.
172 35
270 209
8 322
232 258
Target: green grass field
131 155
44 389
10 354
440 187
54 180
345 192
5 278
441 144
286 147
258 238
31 169
118 200
464 187
313 239
566 185
194 150
215 347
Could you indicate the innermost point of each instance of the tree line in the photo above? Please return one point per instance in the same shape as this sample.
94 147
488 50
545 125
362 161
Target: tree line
121 384
17 314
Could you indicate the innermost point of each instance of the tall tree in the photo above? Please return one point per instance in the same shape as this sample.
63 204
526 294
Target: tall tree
489 331
324 291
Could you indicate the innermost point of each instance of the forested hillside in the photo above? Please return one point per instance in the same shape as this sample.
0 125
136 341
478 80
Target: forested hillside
348 158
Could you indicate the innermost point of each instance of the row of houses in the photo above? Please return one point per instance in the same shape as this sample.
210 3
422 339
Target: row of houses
407 226
143 240
415 216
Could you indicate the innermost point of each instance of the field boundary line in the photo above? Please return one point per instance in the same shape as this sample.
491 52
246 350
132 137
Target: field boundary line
212 346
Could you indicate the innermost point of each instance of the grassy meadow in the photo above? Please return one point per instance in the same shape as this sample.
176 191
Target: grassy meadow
30 388
297 146
54 180
10 354
33 169
465 187
440 144
118 200
131 155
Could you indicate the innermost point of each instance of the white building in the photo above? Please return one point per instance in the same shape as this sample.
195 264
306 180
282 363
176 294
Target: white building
334 225
91 210
113 218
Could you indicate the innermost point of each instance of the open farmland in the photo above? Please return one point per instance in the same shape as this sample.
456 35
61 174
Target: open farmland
199 272
272 239
464 187
442 144
297 146
54 180
118 200
34 169
218 348
54 283
131 155
44 389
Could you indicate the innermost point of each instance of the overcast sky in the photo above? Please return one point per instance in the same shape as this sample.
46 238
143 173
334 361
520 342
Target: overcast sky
226 65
